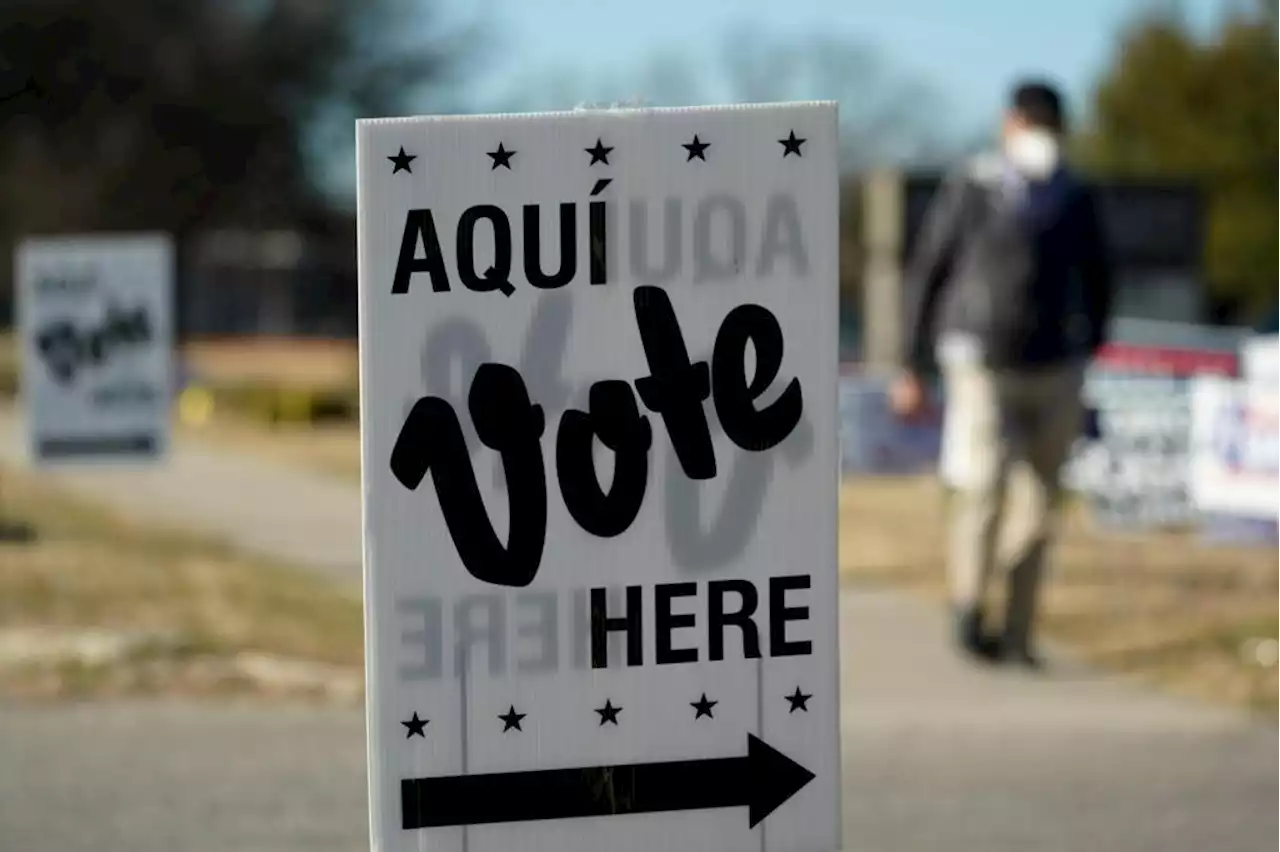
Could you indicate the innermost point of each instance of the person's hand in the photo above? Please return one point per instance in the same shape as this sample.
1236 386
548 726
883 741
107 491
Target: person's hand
906 395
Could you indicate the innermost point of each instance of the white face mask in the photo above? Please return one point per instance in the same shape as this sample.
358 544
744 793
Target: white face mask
1033 152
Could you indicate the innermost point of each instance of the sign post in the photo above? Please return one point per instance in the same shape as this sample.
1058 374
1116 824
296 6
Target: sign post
95 320
598 357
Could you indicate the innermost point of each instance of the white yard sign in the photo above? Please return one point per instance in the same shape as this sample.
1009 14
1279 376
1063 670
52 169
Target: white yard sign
1234 447
1260 360
95 322
598 362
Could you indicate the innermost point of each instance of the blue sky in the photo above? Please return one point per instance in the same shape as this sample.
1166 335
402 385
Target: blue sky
536 54
966 50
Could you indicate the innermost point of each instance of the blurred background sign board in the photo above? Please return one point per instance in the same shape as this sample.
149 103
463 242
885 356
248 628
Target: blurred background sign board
1172 348
1135 473
95 330
873 441
1260 360
1235 443
1237 530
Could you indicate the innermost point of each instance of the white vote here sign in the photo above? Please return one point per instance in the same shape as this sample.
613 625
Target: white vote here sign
599 370
95 322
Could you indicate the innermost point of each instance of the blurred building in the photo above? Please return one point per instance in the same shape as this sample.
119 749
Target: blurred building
281 282
1155 232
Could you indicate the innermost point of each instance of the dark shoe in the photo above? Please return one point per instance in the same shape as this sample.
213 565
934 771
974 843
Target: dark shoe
1021 657
972 640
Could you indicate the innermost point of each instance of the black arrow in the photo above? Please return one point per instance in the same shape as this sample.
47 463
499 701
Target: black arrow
760 782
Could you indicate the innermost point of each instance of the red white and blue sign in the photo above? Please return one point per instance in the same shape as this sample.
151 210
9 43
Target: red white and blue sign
1235 444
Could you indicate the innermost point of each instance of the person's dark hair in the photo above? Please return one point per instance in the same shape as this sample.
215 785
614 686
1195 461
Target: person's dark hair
1039 104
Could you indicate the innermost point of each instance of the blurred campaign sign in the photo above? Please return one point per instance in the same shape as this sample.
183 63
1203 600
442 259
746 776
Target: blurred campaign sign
1260 359
1235 444
1171 349
1135 469
1238 530
1134 472
598 367
874 441
96 328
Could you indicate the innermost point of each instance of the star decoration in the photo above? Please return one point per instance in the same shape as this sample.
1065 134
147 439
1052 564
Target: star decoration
599 153
416 726
608 713
401 161
791 145
703 706
696 148
501 157
799 701
511 719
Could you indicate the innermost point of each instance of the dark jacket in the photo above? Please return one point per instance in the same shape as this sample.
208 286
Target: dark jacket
1020 266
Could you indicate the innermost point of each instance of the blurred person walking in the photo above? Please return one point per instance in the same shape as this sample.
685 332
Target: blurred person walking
1008 289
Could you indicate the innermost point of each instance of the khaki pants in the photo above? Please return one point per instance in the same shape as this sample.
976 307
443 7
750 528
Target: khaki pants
1004 425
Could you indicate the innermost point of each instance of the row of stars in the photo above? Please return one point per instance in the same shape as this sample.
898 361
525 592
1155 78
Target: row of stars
608 713
697 150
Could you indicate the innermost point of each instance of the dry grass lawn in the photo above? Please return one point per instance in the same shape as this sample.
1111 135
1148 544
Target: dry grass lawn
286 361
333 450
91 604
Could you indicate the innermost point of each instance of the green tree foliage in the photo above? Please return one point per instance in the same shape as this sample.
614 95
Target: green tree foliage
1177 106
178 113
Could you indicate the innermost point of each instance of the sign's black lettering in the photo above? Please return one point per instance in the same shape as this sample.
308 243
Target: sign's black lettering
780 614
666 622
675 388
715 238
505 420
599 234
602 624
667 597
497 276
533 248
749 428
420 230
718 619
420 227
617 421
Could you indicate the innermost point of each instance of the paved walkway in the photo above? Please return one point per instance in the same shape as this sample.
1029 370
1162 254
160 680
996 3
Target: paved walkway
270 510
938 755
